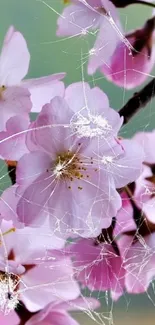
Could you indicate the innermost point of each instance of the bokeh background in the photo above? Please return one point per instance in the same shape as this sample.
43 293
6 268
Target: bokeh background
36 19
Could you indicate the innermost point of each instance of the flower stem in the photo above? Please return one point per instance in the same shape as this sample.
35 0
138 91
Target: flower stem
138 101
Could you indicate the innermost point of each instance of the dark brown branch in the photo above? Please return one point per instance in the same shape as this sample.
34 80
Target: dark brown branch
11 165
138 101
106 236
125 3
23 313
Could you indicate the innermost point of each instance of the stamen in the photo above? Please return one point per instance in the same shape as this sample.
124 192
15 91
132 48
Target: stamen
7 232
2 89
9 297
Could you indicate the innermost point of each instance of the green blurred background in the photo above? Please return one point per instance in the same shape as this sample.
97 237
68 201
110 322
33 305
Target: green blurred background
50 54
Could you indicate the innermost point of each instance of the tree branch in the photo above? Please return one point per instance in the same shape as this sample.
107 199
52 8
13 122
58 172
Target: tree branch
138 101
23 313
123 4
11 165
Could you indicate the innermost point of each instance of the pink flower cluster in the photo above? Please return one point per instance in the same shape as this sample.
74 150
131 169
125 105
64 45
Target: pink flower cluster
126 59
80 213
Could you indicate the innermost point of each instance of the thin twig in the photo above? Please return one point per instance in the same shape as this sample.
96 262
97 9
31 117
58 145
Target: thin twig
138 101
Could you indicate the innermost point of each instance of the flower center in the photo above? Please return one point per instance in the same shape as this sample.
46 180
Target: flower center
9 297
91 127
67 166
107 160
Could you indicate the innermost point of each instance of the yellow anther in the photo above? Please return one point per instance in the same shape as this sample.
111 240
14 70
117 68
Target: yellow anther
9 231
2 89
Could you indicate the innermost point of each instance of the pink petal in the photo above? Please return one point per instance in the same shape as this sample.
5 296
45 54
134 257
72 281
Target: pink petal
13 64
107 39
124 217
82 303
129 166
92 261
12 141
8 204
139 261
146 140
91 107
54 281
33 202
86 208
126 70
52 128
76 18
31 166
81 97
44 89
14 101
55 317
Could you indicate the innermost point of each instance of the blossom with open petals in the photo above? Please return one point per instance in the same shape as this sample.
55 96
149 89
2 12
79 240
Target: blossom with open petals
65 177
34 277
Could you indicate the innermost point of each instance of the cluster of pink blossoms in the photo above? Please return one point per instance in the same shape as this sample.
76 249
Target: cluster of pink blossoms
80 211
126 59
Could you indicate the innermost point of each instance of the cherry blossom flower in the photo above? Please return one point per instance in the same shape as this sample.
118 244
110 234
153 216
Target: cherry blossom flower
57 314
82 17
33 276
129 67
92 260
74 151
13 68
65 177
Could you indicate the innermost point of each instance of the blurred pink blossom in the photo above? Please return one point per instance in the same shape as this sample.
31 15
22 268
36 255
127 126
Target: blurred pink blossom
130 66
98 267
